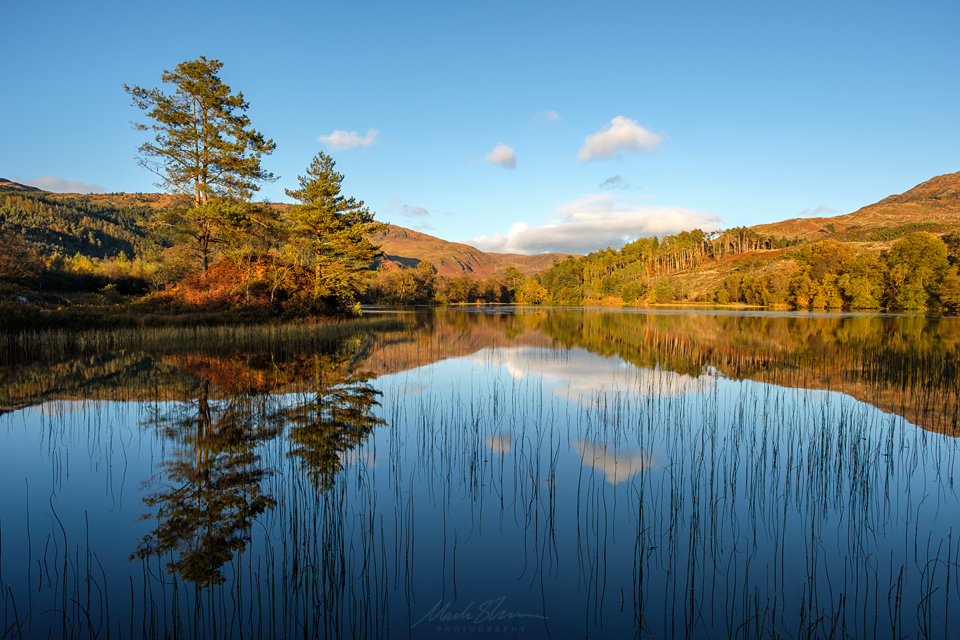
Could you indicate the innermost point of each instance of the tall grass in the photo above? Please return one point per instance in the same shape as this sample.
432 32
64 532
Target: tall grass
48 345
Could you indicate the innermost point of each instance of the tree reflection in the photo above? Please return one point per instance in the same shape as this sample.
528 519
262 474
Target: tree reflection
336 418
212 492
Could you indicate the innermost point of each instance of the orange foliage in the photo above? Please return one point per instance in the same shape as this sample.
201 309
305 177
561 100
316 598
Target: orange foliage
223 286
243 373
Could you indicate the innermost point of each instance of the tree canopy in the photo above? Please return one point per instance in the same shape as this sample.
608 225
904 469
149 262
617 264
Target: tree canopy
204 149
335 230
205 146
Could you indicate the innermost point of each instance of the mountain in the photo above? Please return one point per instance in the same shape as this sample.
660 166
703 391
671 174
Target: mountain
102 225
931 206
785 264
10 185
406 247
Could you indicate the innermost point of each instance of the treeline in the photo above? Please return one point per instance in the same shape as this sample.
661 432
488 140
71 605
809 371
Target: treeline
51 245
641 269
421 285
918 271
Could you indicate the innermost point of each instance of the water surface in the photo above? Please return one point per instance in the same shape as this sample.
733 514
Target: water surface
522 473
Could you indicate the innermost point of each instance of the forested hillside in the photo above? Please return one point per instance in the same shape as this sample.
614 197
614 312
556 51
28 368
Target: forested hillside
61 225
900 253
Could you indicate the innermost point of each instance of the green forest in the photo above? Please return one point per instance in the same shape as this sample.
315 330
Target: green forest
917 271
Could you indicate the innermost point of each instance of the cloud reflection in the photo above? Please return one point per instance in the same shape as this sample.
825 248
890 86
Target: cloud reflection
616 466
500 443
578 373
357 456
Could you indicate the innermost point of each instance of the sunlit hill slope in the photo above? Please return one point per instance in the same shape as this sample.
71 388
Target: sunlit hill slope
931 206
406 247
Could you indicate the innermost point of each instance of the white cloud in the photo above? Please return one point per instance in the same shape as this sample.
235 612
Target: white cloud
616 182
400 207
545 117
621 135
595 222
59 185
502 155
821 211
410 210
342 140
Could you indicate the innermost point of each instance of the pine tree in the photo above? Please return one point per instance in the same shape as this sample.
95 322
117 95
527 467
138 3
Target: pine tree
204 148
336 231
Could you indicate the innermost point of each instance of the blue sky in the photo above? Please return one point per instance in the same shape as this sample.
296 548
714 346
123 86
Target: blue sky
475 119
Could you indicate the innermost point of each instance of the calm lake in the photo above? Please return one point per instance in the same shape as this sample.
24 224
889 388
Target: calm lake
504 472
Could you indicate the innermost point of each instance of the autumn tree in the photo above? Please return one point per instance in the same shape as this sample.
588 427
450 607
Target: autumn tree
204 149
18 261
256 240
336 230
862 282
918 263
950 291
514 280
532 292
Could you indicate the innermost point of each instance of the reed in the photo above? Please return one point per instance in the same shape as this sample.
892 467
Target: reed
57 344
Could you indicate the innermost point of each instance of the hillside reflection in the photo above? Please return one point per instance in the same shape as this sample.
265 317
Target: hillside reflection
905 365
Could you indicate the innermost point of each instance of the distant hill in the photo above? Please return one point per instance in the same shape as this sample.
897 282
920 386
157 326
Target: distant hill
10 185
100 225
931 206
406 247
103 225
773 264
92 225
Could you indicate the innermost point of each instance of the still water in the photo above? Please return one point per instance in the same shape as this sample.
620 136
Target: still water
519 473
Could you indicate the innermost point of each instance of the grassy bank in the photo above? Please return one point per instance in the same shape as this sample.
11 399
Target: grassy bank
20 316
